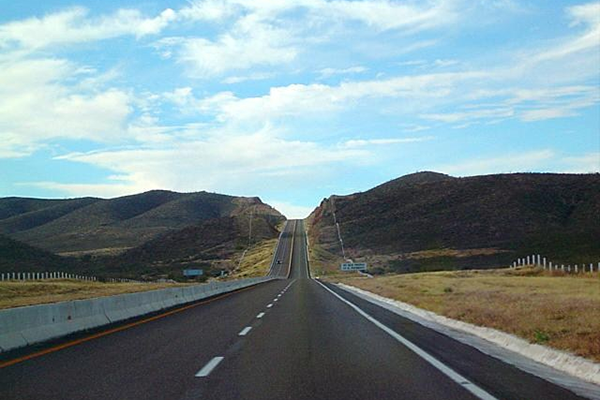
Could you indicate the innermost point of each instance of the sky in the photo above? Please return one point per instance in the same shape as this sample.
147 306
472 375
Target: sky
292 101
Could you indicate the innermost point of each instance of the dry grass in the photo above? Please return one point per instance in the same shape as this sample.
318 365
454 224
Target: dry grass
561 311
108 251
257 260
17 294
323 262
447 252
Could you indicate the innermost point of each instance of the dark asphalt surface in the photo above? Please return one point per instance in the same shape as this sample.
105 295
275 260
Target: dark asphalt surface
307 345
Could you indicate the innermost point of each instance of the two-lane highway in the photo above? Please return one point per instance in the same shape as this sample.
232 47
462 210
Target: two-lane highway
293 338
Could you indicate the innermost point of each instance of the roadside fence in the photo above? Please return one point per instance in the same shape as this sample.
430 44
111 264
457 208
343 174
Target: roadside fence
43 276
538 261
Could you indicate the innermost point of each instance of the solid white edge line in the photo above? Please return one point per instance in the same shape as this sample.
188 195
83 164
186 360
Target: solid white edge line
260 315
449 372
207 369
245 331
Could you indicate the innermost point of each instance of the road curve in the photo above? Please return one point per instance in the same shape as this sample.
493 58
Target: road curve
292 338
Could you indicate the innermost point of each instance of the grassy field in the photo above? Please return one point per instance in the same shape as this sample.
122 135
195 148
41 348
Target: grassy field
561 311
257 260
17 294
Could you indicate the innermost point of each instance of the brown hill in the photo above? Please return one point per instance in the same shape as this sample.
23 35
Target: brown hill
20 257
213 245
433 221
113 225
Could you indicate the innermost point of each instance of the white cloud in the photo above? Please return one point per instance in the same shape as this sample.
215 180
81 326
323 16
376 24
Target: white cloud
239 50
516 162
378 14
302 100
104 190
231 163
328 72
37 106
503 112
442 63
585 163
291 211
250 77
378 142
414 128
74 26
262 33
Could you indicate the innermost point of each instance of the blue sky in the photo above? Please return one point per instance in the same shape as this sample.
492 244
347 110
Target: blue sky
291 101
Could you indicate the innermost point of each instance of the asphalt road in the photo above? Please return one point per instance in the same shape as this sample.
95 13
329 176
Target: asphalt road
287 339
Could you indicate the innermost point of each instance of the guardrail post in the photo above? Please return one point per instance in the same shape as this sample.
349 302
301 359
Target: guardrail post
575 268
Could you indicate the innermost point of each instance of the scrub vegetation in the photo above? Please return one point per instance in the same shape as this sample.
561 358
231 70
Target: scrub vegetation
256 261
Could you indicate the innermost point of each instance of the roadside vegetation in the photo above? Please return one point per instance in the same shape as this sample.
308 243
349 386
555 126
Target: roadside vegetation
256 261
554 309
18 294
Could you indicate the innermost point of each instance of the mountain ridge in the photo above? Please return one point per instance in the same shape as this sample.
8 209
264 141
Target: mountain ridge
514 214
91 224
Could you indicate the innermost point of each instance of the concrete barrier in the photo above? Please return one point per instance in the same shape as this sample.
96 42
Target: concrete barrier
22 326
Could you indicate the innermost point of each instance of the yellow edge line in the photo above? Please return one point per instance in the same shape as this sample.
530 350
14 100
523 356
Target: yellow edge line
114 330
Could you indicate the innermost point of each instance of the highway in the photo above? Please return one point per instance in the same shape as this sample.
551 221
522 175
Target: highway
292 338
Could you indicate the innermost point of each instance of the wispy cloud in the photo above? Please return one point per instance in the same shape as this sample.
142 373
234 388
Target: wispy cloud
328 72
75 26
355 143
526 161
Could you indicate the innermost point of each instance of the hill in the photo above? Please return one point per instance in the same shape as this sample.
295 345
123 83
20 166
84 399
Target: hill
213 245
429 221
110 226
20 257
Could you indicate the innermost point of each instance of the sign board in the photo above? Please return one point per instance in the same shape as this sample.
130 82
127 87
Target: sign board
354 267
193 272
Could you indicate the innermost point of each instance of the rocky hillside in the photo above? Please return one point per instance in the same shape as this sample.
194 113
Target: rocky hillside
430 221
111 226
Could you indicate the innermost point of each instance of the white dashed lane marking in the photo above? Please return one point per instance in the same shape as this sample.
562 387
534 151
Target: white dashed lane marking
245 331
207 369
